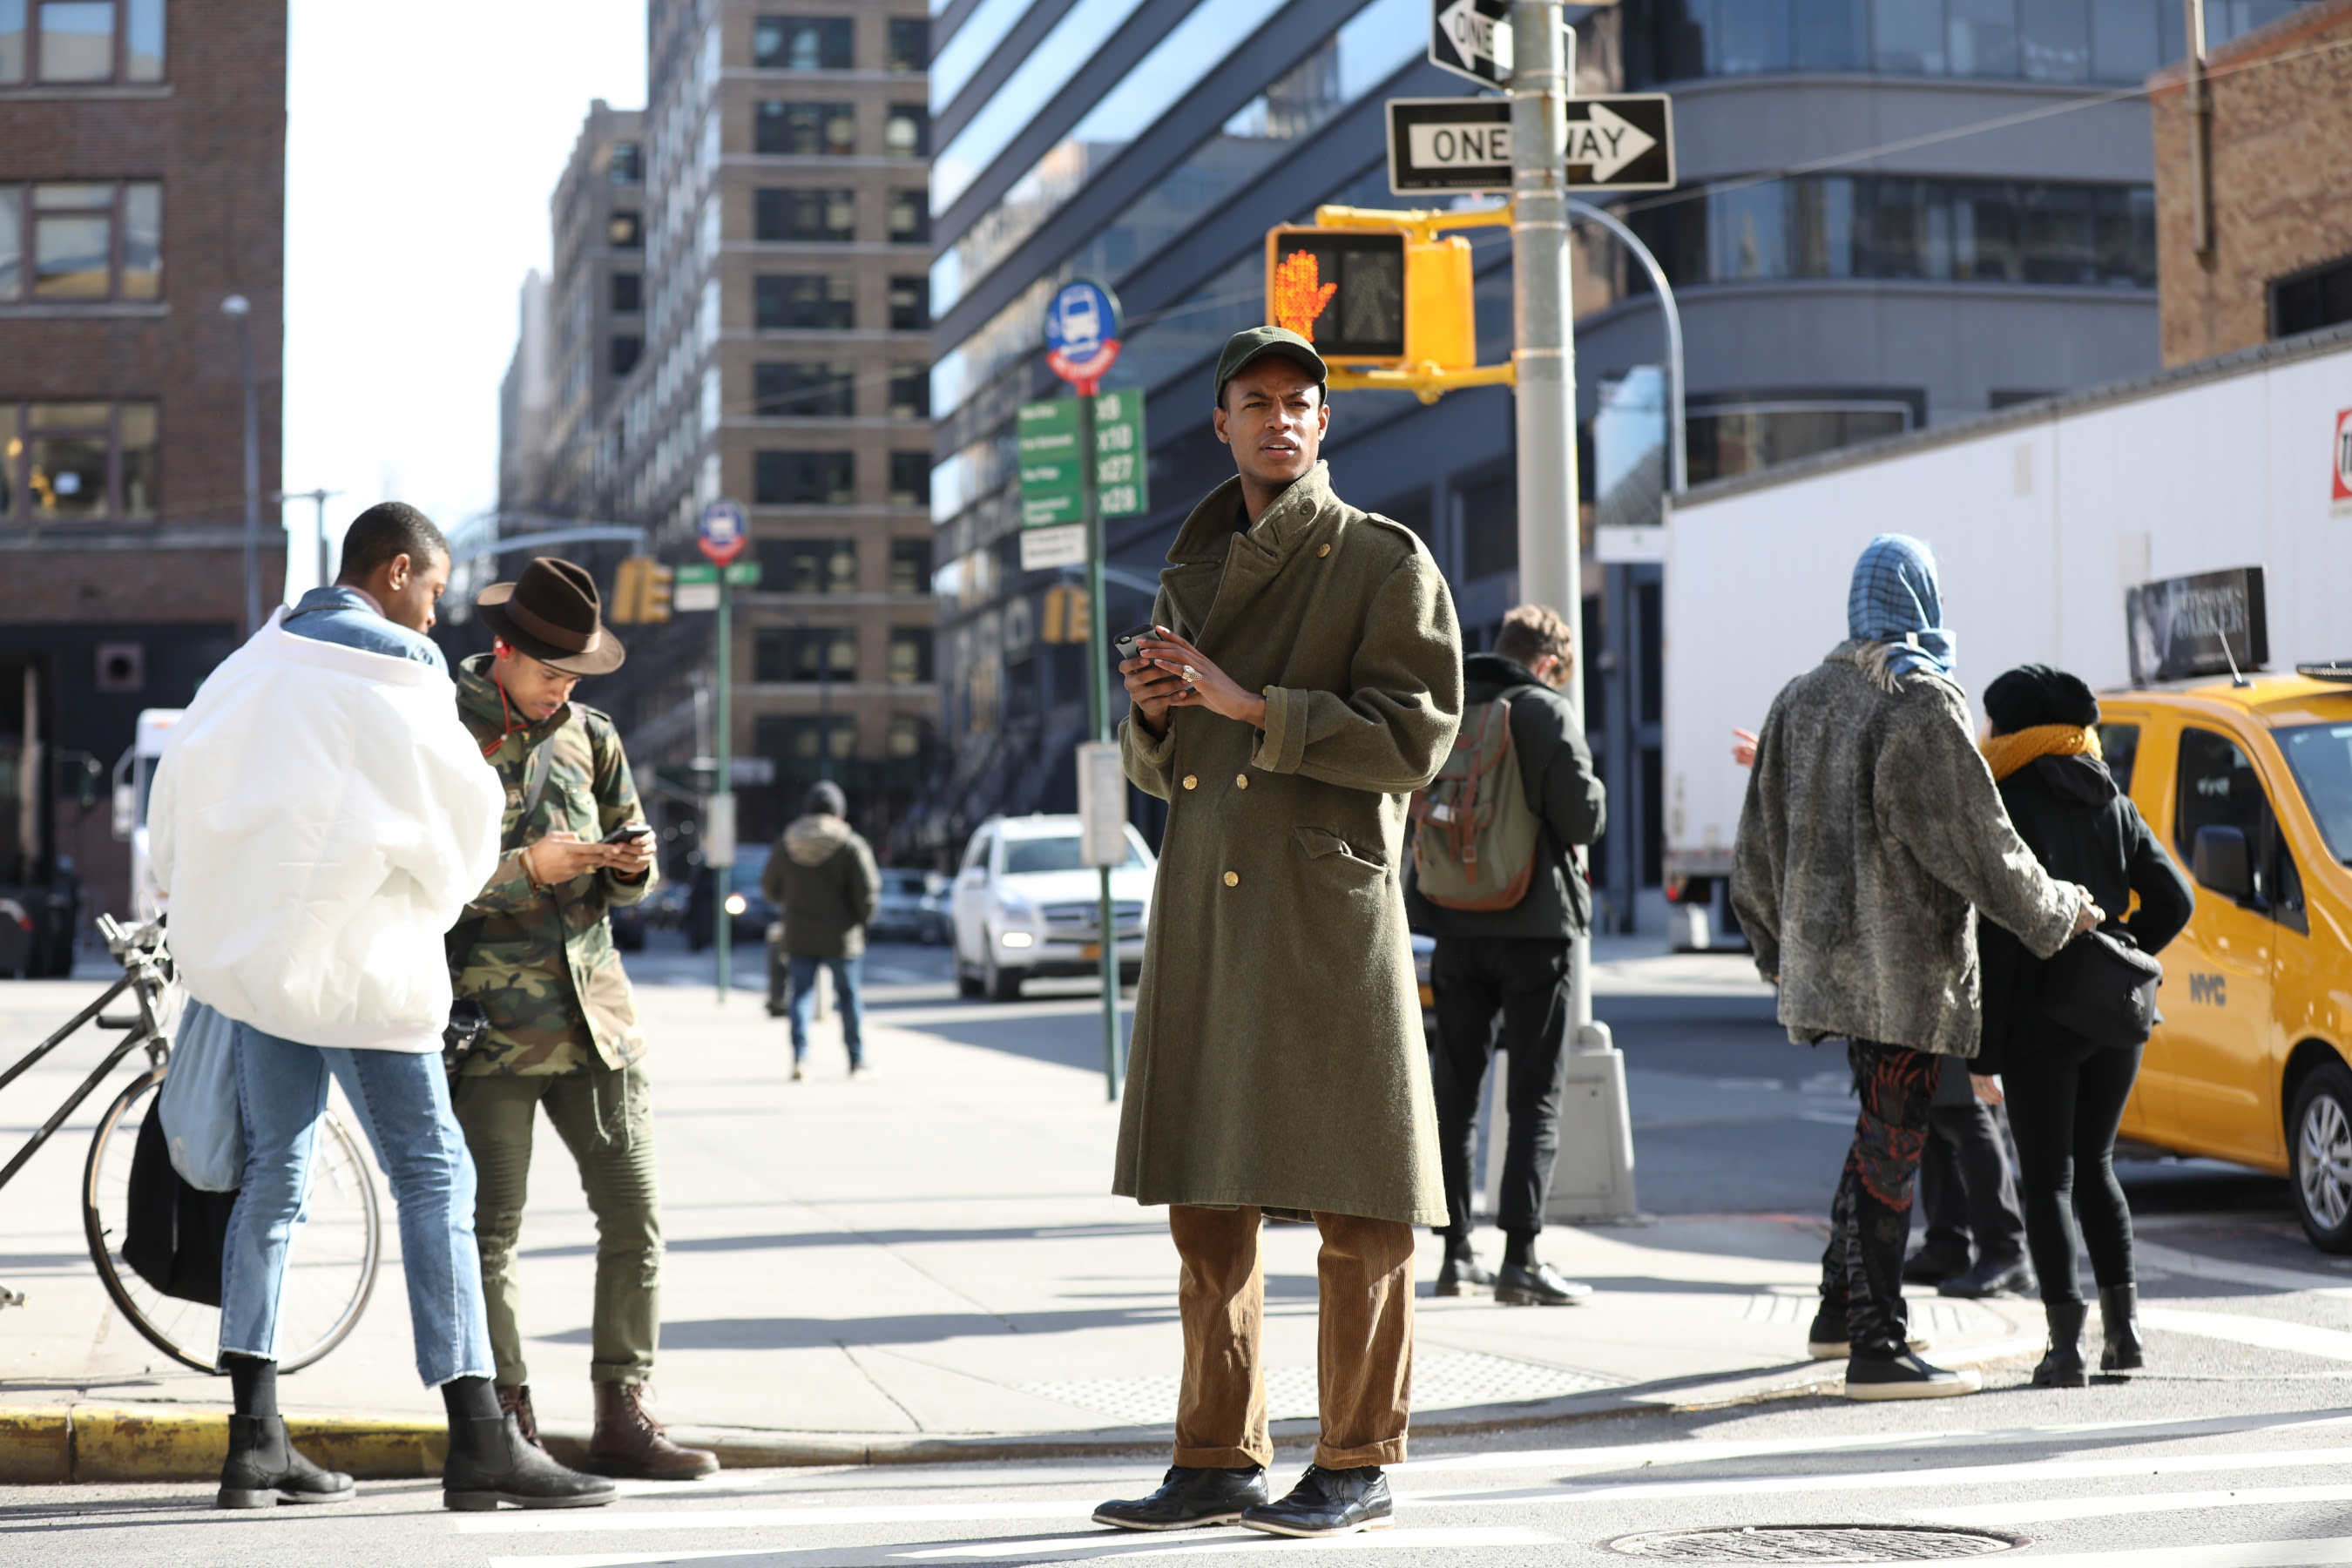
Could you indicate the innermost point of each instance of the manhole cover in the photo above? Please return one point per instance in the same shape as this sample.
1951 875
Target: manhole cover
1815 1543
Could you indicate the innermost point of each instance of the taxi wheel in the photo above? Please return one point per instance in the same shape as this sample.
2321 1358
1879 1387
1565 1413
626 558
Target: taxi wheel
2319 1149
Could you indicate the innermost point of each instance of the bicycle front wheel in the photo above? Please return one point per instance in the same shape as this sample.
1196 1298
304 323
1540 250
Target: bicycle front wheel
330 1266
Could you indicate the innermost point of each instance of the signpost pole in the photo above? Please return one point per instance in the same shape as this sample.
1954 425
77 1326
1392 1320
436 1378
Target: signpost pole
1099 697
722 789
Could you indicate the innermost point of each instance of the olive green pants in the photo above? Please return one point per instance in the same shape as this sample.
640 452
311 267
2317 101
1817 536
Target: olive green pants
606 1120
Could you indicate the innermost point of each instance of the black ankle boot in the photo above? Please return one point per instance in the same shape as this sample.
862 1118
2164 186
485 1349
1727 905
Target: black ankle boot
490 1463
2119 1316
2063 1367
264 1469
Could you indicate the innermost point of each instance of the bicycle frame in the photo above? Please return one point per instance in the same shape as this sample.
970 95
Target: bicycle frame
140 951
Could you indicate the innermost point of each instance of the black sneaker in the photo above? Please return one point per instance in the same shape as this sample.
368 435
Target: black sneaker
1460 1268
1188 1498
1826 1340
1904 1376
1328 1502
1538 1285
1928 1267
1990 1276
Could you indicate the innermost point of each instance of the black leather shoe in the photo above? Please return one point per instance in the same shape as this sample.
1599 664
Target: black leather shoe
2062 1367
1538 1285
1328 1502
1826 1340
1188 1498
2119 1323
1904 1376
1927 1267
1460 1268
1990 1276
491 1462
264 1469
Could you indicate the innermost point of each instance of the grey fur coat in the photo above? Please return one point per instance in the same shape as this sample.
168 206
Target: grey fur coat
1871 828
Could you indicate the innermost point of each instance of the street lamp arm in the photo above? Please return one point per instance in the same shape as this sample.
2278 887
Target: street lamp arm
1678 461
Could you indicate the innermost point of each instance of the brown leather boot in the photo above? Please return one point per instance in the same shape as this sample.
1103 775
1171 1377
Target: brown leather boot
515 1401
629 1442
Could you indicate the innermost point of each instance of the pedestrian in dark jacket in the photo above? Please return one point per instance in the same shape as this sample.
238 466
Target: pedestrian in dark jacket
2065 1092
822 876
1516 962
1975 1245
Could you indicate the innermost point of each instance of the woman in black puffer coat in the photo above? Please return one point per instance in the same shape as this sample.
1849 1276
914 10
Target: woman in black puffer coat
2067 1094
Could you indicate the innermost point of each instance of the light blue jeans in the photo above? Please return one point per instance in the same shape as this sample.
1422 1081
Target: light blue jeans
846 979
403 1104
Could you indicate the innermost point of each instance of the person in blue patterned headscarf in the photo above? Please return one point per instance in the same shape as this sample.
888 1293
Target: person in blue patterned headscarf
1897 605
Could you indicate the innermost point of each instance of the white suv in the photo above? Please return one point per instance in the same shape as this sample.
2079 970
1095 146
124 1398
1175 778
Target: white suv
1025 907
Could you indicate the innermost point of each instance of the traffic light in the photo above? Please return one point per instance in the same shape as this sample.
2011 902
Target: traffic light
1065 615
1389 299
641 587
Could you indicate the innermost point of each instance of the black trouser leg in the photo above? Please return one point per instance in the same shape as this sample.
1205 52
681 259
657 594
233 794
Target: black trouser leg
2066 1105
1943 1199
2105 1085
1971 1142
1534 976
1870 1218
1467 1000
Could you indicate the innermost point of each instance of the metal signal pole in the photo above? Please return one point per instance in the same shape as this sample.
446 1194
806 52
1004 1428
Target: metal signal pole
1099 699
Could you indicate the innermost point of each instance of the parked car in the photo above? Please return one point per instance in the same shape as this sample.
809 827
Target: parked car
753 914
1025 907
911 908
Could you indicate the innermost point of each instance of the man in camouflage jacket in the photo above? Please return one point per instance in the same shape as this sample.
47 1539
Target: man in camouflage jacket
535 949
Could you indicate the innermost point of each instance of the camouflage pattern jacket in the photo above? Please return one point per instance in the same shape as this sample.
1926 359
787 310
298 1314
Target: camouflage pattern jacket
541 964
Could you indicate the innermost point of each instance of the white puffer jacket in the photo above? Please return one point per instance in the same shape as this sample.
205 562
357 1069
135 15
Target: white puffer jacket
319 820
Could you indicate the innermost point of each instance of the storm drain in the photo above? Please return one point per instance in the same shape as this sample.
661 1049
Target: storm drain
1815 1543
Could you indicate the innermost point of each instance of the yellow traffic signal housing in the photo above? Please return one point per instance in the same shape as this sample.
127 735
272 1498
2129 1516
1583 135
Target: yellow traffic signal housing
653 608
641 586
1065 615
1385 299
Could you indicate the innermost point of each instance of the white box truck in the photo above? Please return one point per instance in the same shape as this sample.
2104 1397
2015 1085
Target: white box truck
2041 516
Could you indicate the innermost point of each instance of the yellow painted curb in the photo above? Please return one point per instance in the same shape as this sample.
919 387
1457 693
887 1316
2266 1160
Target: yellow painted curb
35 1445
100 1443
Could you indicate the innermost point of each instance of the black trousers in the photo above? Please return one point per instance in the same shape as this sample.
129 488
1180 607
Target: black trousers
2066 1103
1965 1189
1869 1217
1525 980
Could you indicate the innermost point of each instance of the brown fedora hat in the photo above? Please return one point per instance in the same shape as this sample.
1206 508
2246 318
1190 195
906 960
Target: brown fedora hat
552 613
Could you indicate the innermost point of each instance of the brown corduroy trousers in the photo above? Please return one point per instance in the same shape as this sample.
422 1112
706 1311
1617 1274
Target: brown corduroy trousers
1363 1352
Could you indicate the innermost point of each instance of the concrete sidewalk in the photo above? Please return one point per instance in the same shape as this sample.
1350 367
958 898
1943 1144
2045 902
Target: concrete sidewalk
929 1255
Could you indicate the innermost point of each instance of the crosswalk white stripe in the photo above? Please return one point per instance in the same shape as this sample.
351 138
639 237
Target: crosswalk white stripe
2323 1552
626 1559
1998 1513
2164 1259
605 1520
1375 1541
2239 1328
1085 1549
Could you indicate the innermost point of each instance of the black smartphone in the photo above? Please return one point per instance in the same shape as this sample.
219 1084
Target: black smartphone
1124 644
627 831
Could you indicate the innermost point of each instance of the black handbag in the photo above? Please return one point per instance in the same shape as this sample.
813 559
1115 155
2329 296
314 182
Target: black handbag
174 1235
2103 987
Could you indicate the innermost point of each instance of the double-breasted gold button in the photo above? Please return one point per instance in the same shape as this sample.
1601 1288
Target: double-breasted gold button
1241 781
1191 781
1232 878
1322 550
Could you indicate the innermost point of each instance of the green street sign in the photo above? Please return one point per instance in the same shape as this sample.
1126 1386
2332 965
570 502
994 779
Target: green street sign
743 573
696 572
1049 458
1122 484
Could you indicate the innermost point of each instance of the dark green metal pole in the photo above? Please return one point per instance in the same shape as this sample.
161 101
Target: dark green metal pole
1099 694
722 878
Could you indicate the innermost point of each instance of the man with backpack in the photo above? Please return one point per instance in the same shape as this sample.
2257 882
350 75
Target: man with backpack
1496 877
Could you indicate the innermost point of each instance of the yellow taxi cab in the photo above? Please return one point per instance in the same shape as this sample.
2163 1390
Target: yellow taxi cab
2249 786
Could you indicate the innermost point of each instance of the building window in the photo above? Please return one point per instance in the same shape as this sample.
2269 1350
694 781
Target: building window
822 301
628 292
910 655
1739 438
910 393
628 164
803 389
808 566
624 231
2310 300
910 43
795 743
803 214
911 479
911 566
910 736
803 478
78 462
804 653
804 130
911 218
907 133
626 348
802 43
81 41
911 305
81 242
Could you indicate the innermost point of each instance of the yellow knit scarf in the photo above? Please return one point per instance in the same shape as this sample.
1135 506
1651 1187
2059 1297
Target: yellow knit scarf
2007 753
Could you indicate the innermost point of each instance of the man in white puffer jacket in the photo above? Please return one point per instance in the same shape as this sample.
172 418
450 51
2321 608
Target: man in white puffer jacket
319 823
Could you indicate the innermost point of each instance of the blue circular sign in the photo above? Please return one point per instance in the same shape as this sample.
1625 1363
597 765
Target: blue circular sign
723 534
1083 316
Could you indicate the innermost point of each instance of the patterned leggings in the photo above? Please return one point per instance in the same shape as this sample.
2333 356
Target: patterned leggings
1870 1218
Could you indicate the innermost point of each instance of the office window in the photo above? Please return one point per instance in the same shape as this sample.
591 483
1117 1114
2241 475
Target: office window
628 292
804 653
911 305
910 655
907 132
624 231
911 479
81 241
911 566
78 41
628 164
1724 439
911 218
627 347
803 478
808 566
909 44
802 43
2313 300
795 744
78 462
804 389
910 393
805 215
804 301
910 736
804 130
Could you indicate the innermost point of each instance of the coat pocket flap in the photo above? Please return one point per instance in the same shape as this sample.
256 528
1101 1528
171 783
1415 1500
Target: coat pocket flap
1320 842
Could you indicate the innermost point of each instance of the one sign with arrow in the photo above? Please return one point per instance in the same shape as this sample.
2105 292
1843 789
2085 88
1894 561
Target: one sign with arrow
1623 142
1473 38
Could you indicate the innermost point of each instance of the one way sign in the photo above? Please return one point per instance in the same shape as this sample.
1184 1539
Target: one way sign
1623 142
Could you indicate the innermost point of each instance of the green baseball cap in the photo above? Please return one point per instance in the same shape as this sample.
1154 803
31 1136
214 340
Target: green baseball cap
1254 343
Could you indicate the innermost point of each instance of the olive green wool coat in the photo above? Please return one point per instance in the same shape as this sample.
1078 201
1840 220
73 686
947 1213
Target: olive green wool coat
1278 1058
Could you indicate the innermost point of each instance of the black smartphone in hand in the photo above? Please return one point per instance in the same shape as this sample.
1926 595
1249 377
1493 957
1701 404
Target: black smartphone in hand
1124 644
627 832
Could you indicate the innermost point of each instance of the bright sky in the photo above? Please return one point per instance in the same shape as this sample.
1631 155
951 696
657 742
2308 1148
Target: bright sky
424 141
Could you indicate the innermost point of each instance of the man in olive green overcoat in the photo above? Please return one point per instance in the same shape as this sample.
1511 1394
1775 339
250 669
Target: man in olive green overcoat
1303 676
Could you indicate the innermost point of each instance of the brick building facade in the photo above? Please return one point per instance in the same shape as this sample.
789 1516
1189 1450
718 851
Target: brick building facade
142 162
2281 203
